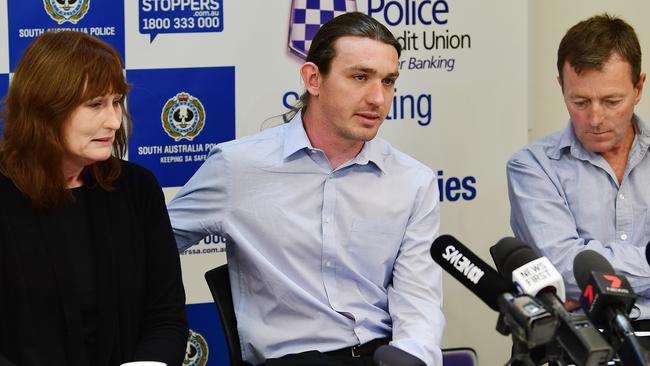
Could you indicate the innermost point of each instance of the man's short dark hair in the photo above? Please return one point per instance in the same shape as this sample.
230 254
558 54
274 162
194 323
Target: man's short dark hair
589 44
355 24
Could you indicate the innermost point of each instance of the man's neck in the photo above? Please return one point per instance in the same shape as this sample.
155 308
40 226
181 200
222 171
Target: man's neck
617 157
337 149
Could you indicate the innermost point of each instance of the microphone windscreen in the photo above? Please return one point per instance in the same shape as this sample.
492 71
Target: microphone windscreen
392 356
509 254
470 270
588 261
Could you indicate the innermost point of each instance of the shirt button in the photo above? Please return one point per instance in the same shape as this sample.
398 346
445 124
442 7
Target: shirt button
621 196
623 236
328 264
327 220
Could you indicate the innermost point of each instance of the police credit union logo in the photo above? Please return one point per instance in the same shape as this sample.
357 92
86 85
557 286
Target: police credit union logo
183 117
196 353
62 11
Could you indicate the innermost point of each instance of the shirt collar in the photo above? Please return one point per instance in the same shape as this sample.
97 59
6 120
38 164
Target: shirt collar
642 139
643 131
569 140
372 152
297 140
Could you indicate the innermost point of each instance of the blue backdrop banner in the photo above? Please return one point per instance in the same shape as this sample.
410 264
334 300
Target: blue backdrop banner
206 345
4 81
179 115
29 19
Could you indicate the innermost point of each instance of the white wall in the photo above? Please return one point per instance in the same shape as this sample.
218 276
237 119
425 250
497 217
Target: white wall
550 20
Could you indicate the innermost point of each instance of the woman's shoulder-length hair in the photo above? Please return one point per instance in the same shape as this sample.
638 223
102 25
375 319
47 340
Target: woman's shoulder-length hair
58 72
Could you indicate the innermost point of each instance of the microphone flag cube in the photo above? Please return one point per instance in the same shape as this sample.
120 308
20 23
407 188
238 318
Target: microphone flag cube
537 275
606 291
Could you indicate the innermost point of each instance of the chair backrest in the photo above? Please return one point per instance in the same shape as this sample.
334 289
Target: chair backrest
219 283
459 357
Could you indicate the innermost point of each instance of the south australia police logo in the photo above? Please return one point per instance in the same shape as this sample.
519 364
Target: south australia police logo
196 353
63 11
183 117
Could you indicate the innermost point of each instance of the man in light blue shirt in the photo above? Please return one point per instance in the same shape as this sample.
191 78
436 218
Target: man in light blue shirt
329 227
588 186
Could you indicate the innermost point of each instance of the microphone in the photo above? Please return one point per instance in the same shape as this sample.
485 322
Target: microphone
470 270
536 276
529 272
607 298
524 316
388 355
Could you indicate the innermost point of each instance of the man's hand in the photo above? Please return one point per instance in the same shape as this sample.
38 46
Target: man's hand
570 305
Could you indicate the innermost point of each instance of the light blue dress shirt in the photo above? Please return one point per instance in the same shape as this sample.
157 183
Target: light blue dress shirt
565 198
320 259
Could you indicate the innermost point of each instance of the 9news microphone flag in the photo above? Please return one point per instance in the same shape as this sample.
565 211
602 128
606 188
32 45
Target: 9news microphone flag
470 270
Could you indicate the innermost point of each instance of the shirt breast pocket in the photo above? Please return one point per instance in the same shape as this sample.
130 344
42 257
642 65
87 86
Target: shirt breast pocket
373 247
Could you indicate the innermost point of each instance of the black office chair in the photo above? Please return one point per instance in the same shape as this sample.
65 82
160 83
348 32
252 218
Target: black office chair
219 283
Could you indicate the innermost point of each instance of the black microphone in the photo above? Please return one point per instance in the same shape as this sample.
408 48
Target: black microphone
607 298
509 254
388 355
470 270
523 316
537 277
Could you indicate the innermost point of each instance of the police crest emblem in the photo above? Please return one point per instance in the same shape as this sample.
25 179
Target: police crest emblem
63 11
183 117
196 353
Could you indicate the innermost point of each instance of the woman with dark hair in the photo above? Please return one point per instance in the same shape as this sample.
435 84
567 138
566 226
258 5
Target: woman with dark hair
89 273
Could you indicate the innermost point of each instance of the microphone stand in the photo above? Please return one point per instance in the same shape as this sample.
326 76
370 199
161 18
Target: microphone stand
550 354
532 330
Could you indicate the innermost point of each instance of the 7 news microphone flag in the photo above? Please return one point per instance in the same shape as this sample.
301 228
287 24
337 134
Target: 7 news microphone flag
607 298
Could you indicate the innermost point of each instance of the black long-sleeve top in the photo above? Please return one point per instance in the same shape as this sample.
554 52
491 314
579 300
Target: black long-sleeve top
137 279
